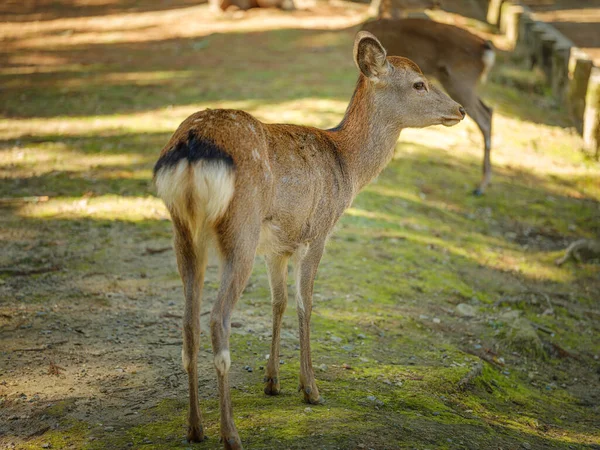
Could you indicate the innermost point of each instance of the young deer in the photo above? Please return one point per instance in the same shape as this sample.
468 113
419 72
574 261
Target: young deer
457 58
247 187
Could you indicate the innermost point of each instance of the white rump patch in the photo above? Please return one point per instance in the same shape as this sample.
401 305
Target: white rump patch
223 362
214 183
488 58
208 184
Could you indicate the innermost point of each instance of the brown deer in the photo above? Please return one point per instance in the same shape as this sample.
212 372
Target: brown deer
245 187
397 9
456 58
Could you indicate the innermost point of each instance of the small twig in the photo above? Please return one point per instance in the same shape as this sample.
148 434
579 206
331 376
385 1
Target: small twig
154 251
171 316
39 432
412 376
166 343
562 352
542 328
55 369
31 349
21 272
485 357
469 377
40 349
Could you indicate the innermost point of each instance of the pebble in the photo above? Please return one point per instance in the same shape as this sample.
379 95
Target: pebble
46 445
308 409
375 400
436 320
109 429
465 310
526 445
335 339
361 336
348 348
346 366
436 413
323 367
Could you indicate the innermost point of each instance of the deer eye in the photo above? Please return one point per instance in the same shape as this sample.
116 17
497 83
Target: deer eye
419 86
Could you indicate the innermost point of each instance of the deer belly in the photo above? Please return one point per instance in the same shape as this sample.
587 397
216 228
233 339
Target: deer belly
273 240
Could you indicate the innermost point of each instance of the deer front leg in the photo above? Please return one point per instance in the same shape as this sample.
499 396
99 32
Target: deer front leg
277 268
482 115
307 261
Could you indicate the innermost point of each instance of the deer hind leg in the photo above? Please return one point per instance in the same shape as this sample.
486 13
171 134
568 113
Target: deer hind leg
307 260
462 90
191 261
238 240
483 118
277 266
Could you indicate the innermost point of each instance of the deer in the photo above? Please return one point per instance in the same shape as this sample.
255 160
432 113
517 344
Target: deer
397 9
458 59
234 184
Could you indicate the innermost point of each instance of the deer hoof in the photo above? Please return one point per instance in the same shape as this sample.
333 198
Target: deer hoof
314 401
195 433
232 443
311 395
272 386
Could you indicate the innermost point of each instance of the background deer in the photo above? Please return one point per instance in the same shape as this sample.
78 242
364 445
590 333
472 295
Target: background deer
397 9
456 58
242 186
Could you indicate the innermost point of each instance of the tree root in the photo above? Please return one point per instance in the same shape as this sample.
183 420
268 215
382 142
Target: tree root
579 251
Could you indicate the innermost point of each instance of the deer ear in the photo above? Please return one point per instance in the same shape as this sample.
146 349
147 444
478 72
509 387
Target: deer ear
370 56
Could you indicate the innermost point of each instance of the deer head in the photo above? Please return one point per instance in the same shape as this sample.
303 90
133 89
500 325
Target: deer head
400 93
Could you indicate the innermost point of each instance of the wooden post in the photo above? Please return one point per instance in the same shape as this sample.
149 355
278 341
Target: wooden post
580 67
591 118
493 13
510 21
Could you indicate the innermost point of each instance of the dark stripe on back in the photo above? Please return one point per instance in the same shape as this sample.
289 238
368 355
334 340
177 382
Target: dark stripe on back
194 149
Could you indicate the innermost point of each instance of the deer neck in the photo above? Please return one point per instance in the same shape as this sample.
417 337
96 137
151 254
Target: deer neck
366 136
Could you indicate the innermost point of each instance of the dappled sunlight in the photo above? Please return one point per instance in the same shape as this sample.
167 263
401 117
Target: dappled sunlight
307 111
490 251
160 25
48 156
106 207
155 78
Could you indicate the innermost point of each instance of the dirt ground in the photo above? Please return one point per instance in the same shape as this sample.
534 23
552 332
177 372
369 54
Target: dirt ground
440 319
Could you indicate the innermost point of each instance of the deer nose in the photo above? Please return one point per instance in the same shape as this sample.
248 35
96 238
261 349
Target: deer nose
462 111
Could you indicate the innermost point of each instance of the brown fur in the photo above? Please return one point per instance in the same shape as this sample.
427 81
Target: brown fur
291 184
453 56
396 9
